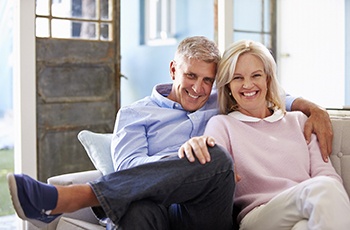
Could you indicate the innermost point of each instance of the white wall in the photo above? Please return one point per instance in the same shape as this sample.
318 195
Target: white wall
311 44
146 66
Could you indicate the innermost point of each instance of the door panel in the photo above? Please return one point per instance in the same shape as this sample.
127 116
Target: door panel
77 88
311 50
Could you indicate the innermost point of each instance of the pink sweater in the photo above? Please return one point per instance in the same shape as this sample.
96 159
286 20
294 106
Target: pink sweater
270 156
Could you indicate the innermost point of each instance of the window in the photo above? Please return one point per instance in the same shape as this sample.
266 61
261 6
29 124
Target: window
255 20
299 40
159 22
74 19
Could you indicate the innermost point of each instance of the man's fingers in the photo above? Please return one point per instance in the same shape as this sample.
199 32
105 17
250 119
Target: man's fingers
210 141
325 141
199 150
197 147
308 129
181 153
324 148
189 154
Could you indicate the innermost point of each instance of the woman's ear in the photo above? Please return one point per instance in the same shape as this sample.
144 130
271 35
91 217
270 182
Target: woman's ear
228 89
172 69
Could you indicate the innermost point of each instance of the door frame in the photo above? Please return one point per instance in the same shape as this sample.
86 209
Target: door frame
24 90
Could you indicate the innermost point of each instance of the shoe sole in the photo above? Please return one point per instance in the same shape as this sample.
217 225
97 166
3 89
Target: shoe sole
11 180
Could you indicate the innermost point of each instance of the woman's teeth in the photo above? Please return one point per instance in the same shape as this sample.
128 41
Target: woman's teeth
249 94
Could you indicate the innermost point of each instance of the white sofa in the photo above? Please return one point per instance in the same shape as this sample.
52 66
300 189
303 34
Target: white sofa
84 219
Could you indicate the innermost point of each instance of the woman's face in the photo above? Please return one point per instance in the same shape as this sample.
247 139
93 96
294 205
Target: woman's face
249 86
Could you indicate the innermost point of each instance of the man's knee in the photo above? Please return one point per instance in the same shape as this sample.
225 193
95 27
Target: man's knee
221 155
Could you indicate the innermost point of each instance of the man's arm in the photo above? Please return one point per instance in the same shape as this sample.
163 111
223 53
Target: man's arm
129 145
319 123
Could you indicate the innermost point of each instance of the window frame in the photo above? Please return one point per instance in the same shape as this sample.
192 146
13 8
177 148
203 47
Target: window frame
159 22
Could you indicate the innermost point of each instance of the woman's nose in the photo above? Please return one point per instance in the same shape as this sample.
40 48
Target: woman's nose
247 84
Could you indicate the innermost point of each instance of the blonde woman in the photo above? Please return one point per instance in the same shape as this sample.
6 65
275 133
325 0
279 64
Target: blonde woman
284 183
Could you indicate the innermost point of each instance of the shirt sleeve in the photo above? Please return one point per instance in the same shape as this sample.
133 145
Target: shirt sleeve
129 146
289 101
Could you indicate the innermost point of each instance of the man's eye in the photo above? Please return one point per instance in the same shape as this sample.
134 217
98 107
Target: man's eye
209 80
190 75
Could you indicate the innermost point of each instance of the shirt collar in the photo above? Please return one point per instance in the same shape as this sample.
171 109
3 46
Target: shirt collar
276 116
160 93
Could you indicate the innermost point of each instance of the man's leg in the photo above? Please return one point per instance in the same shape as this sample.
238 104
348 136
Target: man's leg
41 203
145 215
198 187
204 192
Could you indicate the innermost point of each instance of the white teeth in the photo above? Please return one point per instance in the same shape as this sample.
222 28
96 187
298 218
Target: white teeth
249 94
193 96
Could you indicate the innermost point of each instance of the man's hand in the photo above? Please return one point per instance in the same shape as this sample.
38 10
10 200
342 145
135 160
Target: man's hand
318 123
197 147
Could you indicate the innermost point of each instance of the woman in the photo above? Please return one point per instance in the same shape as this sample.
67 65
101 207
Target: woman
284 183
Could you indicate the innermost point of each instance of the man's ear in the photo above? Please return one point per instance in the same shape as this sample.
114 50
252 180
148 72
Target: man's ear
172 69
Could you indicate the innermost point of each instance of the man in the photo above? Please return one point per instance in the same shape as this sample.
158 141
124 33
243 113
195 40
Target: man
152 188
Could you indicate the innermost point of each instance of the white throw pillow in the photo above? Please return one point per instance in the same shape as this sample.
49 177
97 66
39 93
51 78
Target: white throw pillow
97 146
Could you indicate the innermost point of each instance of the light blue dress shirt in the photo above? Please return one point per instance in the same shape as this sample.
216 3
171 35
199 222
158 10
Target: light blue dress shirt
155 127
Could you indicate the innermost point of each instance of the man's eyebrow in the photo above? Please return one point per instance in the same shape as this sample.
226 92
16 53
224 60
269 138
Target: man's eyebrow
190 73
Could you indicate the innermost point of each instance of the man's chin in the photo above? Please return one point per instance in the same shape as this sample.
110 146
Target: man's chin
193 108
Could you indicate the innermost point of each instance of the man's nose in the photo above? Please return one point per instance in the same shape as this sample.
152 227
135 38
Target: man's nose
197 86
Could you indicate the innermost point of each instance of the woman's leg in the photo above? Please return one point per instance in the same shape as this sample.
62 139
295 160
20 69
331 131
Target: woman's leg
322 201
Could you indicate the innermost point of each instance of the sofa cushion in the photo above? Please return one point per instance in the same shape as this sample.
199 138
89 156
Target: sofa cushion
341 150
68 223
97 146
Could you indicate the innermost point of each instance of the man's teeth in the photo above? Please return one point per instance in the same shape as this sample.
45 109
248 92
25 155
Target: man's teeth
249 94
193 96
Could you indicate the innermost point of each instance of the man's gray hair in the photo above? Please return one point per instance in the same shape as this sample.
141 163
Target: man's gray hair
197 47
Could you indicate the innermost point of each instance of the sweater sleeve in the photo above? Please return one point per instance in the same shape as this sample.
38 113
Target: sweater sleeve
317 166
217 128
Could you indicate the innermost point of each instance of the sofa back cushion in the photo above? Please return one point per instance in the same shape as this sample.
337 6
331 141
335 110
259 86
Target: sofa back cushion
340 156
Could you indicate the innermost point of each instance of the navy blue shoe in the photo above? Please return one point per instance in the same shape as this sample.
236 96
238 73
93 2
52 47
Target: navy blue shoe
32 199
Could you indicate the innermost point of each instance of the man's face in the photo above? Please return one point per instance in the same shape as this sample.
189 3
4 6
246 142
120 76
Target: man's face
192 83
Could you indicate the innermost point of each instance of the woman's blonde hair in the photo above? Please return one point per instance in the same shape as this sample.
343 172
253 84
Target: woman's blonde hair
226 70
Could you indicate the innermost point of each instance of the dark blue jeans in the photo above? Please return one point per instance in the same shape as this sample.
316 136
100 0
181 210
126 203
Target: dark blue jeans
171 194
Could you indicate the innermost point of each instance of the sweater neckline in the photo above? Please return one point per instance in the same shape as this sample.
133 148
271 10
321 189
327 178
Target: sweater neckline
276 116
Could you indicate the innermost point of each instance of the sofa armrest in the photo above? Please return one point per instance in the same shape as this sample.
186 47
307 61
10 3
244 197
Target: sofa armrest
75 178
84 214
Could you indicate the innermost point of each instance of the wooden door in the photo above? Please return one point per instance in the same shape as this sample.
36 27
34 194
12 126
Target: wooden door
78 80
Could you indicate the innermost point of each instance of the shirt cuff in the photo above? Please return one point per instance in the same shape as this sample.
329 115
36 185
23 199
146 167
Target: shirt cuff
289 101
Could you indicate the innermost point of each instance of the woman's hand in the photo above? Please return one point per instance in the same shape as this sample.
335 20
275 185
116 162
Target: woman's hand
197 147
